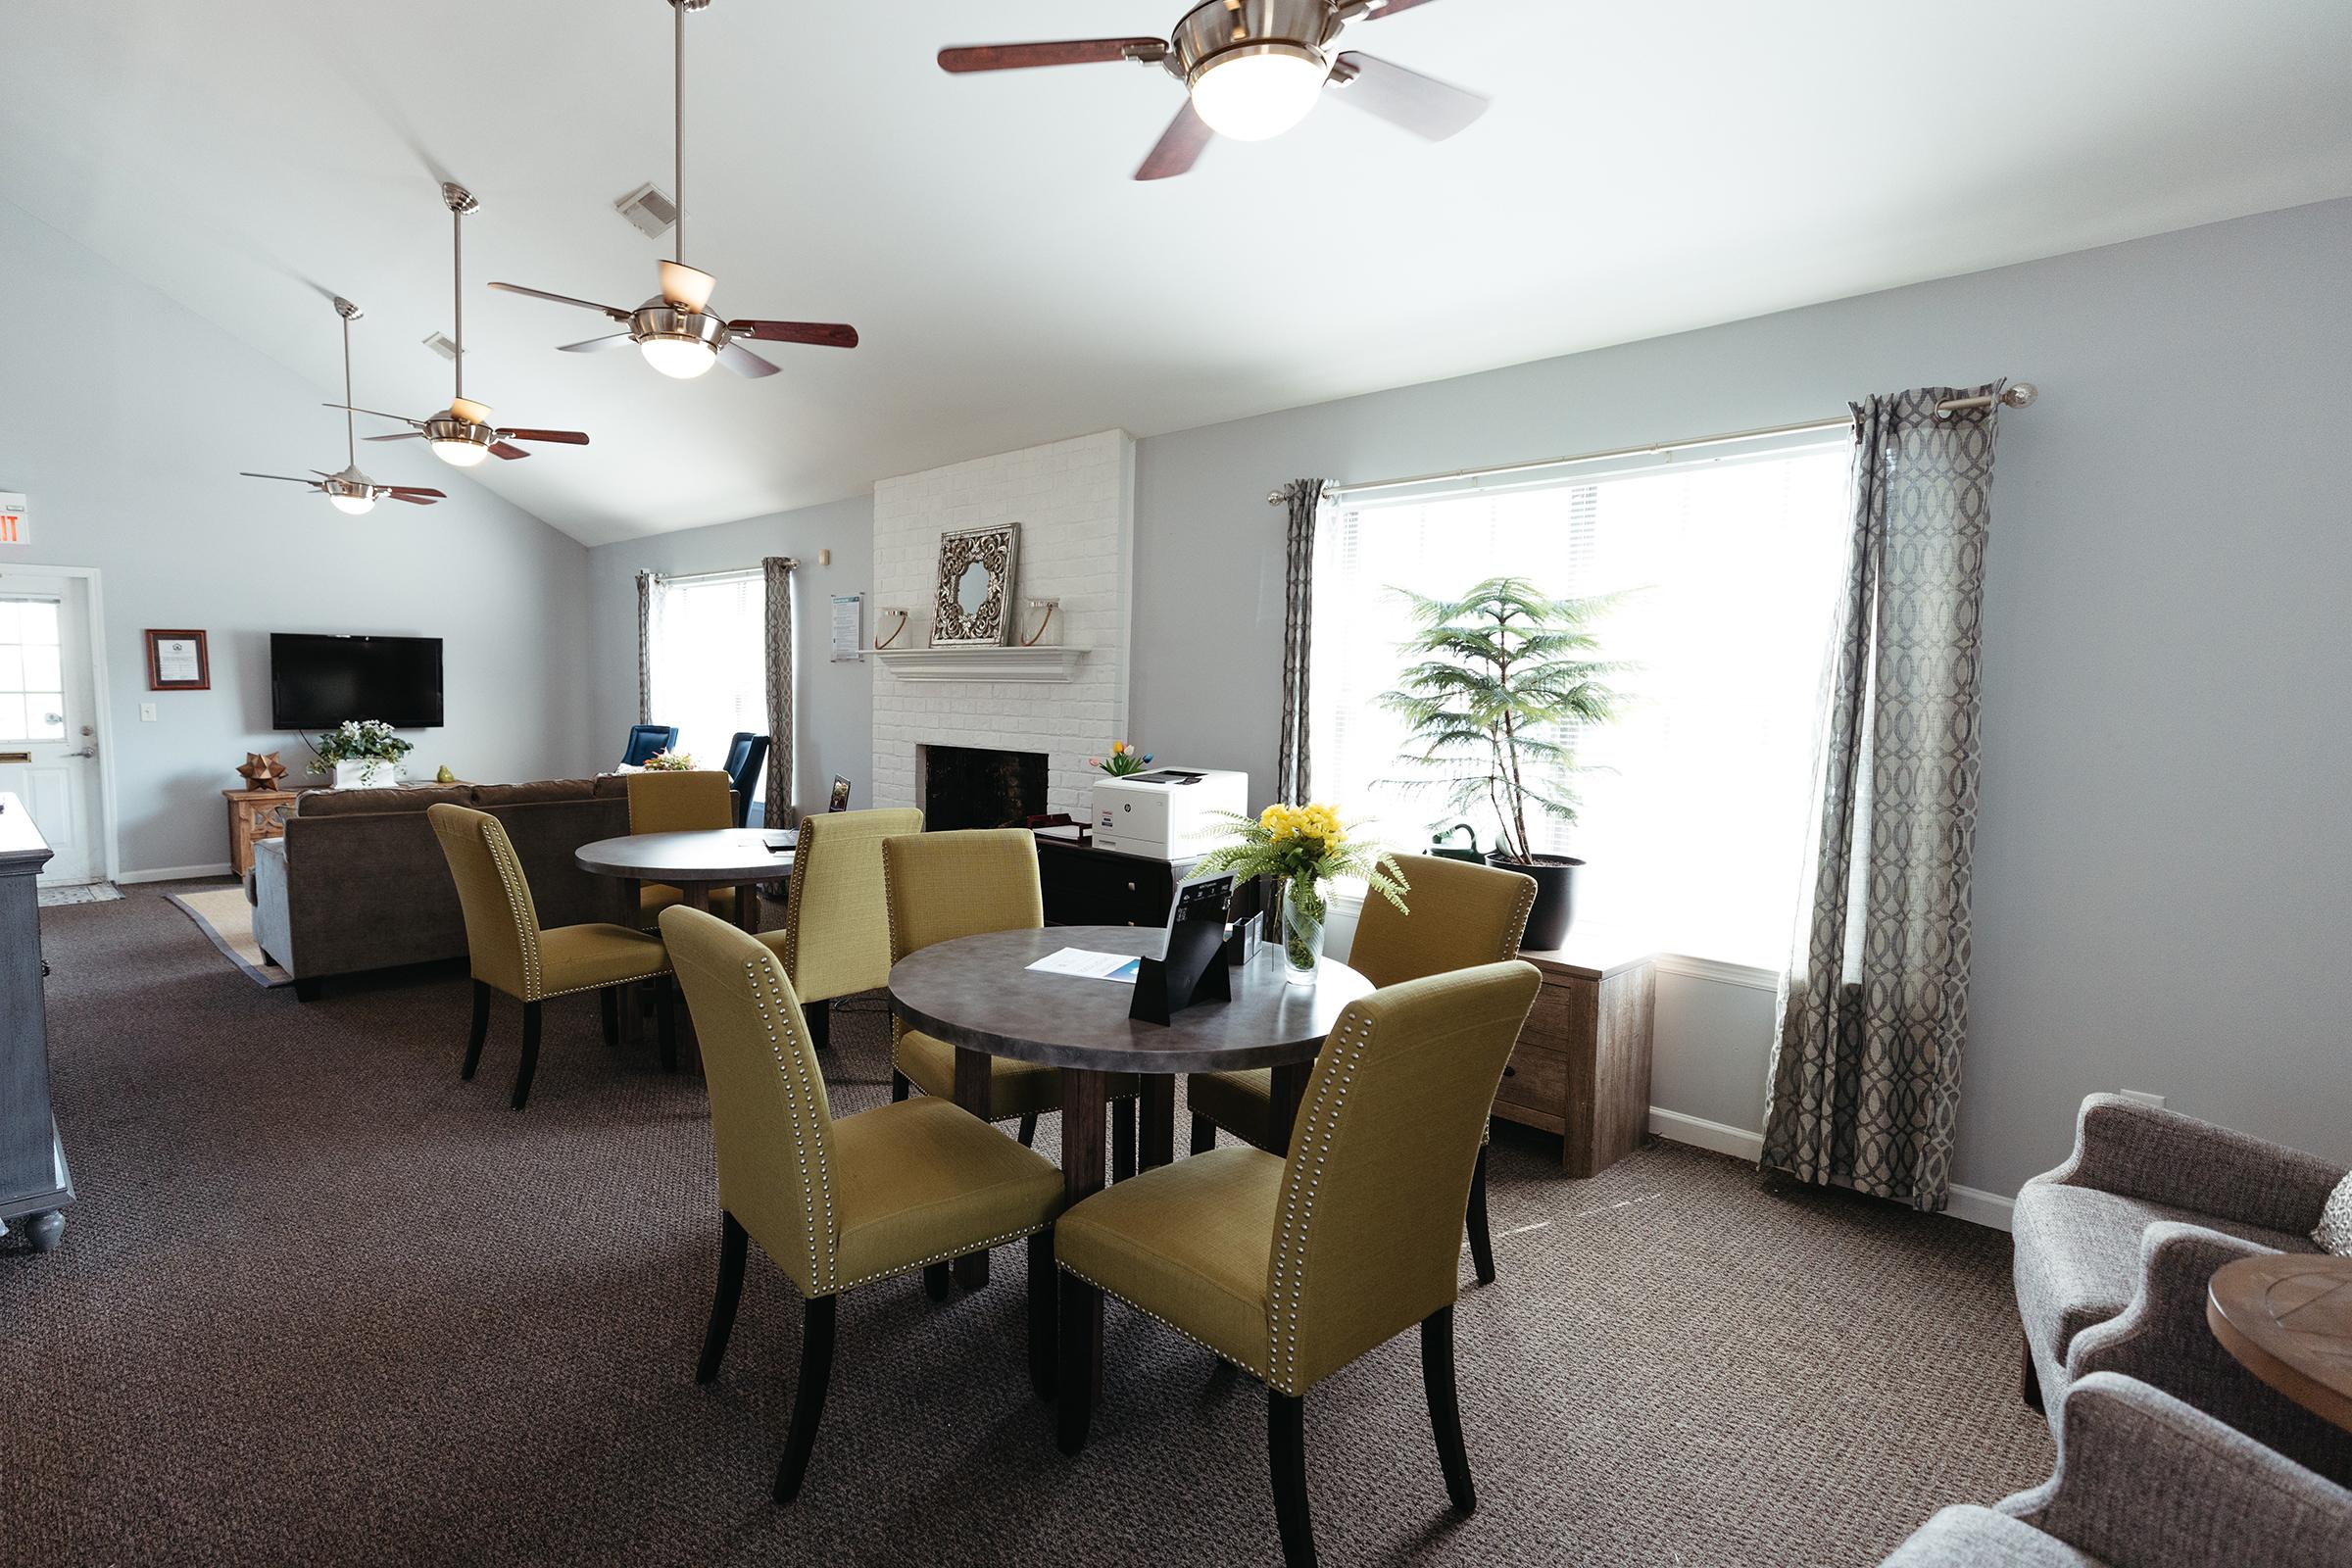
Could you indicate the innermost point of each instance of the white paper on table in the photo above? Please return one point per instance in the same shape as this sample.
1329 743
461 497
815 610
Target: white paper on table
1087 964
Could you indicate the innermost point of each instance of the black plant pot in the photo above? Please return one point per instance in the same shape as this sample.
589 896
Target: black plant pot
1555 898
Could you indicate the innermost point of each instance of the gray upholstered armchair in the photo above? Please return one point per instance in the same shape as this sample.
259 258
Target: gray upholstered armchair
2115 1250
2145 1480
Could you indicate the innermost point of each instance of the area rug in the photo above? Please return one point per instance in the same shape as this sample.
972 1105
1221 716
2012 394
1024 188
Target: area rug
223 915
86 892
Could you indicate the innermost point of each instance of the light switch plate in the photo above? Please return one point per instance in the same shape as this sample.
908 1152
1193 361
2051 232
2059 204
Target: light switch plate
146 712
2141 1097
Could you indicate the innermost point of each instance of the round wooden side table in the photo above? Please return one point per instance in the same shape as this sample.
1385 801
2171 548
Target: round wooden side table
2287 1318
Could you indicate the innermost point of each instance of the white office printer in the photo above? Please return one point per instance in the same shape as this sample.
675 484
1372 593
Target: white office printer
1164 814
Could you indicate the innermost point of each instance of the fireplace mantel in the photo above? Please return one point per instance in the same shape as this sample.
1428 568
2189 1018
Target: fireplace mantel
1041 663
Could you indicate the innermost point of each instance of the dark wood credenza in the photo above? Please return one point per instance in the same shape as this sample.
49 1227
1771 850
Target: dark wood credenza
34 1185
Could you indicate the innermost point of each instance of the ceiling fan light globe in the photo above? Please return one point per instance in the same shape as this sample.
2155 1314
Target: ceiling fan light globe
1260 91
679 358
351 505
459 454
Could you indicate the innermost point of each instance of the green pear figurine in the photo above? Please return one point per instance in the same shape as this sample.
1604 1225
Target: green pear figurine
445 776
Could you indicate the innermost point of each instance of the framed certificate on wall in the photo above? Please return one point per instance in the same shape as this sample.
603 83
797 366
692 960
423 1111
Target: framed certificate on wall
178 661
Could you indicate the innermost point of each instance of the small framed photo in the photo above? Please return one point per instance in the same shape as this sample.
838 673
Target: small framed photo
178 661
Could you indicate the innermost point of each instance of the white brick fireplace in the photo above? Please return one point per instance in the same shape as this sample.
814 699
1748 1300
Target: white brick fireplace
1075 503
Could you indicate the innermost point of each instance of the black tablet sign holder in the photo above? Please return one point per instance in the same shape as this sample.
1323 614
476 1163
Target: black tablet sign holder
1197 966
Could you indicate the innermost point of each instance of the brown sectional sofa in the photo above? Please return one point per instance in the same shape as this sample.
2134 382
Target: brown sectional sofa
359 882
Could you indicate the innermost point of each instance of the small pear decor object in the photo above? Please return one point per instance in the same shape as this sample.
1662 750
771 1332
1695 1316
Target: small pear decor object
262 771
443 776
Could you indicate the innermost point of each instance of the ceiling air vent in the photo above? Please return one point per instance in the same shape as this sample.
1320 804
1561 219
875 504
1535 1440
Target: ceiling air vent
648 209
440 344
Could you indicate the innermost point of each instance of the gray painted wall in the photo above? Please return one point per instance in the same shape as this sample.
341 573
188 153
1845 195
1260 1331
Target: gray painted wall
2164 866
836 702
127 420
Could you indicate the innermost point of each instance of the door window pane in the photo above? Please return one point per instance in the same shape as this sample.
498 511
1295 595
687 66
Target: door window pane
40 621
11 717
11 668
42 666
45 716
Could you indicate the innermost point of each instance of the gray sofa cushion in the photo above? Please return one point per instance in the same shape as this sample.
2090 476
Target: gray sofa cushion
2077 1257
1978 1538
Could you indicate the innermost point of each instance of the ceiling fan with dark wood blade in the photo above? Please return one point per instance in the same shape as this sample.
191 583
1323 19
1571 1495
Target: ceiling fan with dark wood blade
1255 68
352 491
462 434
676 330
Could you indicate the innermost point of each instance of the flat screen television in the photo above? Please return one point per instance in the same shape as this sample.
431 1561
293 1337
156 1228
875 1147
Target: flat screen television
316 682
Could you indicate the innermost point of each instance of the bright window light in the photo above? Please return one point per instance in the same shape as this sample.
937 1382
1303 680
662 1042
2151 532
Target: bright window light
1693 825
710 664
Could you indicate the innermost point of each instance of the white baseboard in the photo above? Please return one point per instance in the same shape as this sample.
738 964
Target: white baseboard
1699 1133
172 873
1971 1204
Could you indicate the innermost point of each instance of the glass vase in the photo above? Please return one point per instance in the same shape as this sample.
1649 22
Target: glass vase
1302 916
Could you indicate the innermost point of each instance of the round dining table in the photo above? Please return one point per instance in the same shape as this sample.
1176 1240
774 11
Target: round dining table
979 995
740 857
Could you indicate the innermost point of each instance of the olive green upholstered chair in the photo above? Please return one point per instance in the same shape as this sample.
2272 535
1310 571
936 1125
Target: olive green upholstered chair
836 935
941 886
509 950
1462 914
664 801
1292 1268
839 1204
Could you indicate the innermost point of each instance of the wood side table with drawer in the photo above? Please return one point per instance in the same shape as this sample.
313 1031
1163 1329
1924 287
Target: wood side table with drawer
253 817
1582 1065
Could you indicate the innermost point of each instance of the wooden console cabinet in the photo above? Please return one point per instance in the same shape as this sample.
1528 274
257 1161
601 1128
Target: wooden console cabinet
1087 886
1582 1065
34 1185
253 817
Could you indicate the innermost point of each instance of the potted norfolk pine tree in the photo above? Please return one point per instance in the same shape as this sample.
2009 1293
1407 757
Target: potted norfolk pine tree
1500 672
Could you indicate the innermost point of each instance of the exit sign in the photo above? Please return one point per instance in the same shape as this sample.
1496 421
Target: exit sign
16 521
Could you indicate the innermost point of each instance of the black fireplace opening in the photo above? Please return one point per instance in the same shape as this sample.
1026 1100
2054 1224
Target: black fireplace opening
978 786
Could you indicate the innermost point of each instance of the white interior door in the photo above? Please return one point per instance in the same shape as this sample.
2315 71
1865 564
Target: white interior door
49 719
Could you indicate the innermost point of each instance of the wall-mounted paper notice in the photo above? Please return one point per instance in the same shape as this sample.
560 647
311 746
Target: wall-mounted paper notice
846 631
16 519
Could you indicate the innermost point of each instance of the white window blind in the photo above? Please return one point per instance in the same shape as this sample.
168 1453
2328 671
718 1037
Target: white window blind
710 667
1730 556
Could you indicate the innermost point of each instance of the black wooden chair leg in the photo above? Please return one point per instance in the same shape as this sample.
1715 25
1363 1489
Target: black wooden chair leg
1122 1139
818 1016
530 1053
1482 1245
481 1028
733 1242
1205 1134
1285 1458
809 1399
937 1279
1074 1388
900 1088
1445 1407
1028 1130
1044 1287
665 1021
610 1001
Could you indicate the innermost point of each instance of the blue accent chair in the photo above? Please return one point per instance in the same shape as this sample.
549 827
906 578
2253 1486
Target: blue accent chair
648 740
747 754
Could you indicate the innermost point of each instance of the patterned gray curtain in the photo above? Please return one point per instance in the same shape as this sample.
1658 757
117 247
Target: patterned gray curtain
781 810
1865 1077
1304 500
646 581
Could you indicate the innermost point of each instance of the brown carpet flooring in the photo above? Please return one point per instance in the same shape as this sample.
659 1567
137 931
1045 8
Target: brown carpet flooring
322 1302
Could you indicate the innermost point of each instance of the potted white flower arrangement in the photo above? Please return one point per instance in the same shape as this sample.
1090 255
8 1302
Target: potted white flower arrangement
671 762
360 753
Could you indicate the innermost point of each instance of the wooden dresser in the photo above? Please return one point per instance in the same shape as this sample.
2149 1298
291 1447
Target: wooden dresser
253 817
1087 886
35 1185
1582 1065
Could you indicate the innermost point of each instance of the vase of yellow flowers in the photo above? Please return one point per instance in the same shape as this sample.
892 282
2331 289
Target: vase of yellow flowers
1303 846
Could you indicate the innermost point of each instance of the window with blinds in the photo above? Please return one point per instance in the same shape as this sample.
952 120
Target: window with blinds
710 667
1729 556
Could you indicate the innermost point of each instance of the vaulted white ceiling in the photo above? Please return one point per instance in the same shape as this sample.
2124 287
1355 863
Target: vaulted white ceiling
1647 168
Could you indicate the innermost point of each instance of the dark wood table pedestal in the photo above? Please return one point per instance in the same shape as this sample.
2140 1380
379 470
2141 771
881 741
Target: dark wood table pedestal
979 995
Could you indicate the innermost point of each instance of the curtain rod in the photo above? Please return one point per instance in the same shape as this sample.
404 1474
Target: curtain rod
713 577
2018 396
